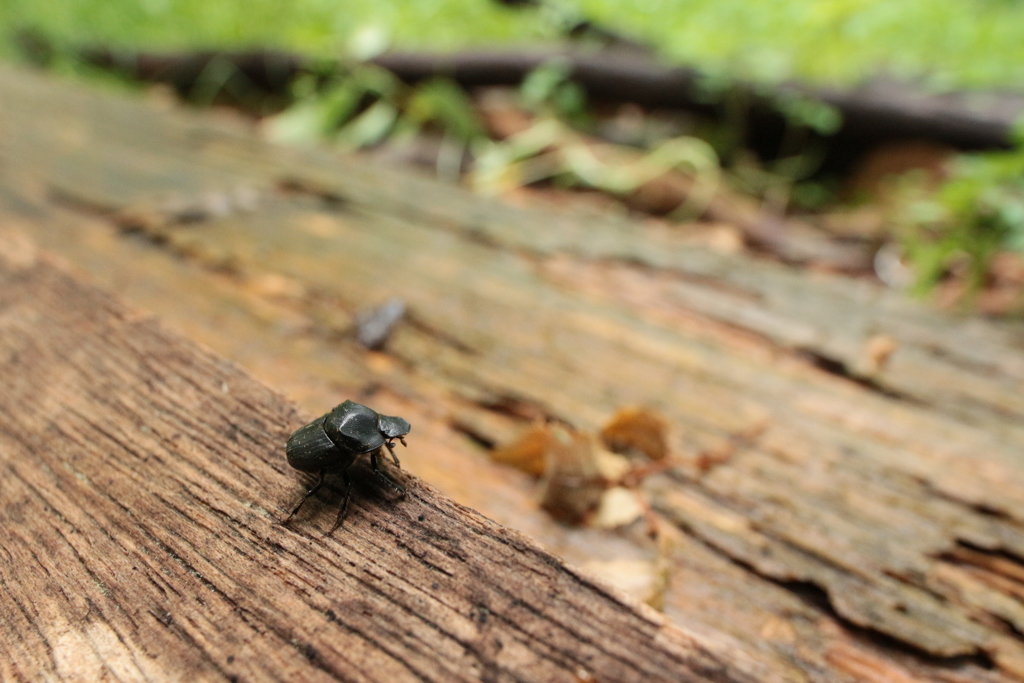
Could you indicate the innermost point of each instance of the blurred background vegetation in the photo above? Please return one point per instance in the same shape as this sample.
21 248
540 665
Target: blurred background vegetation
952 228
974 43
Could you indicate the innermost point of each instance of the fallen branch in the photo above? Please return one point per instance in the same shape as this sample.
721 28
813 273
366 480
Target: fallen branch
875 112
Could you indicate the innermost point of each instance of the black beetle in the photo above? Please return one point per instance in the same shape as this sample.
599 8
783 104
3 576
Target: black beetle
332 442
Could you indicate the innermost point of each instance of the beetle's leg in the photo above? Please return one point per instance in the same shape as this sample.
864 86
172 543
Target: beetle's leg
310 492
391 449
344 504
383 477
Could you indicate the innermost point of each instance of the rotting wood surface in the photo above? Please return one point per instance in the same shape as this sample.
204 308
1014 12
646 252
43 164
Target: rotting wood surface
872 531
142 485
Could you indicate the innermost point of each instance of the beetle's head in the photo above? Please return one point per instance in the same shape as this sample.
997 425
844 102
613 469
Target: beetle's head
393 427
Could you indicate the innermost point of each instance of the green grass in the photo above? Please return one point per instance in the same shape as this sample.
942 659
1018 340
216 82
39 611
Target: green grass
967 43
317 27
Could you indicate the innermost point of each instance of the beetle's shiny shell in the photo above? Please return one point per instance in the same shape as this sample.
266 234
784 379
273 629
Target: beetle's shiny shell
332 442
354 428
309 449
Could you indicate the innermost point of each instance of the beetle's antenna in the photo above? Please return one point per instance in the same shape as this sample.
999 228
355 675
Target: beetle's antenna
310 492
402 439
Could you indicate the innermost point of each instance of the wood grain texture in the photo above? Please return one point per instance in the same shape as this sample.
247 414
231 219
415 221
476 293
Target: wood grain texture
142 481
871 531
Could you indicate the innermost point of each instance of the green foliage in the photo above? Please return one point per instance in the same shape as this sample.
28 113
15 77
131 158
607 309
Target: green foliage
972 216
810 113
548 90
319 112
952 44
442 102
369 105
323 28
971 43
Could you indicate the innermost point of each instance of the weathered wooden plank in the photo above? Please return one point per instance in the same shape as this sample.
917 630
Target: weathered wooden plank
143 481
856 510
